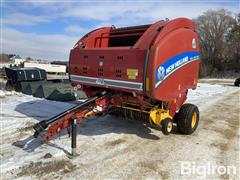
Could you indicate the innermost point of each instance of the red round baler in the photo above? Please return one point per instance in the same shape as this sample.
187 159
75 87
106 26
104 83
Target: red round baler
140 72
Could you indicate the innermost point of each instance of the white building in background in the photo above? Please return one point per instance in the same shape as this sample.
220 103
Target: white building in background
17 60
49 68
5 64
14 61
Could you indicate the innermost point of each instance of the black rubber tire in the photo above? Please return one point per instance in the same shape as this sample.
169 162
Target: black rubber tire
237 84
184 118
165 124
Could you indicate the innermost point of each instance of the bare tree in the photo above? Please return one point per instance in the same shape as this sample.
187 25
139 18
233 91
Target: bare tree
233 48
213 28
4 58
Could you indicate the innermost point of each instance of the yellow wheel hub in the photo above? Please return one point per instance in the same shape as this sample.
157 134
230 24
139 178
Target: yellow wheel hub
169 127
194 119
157 115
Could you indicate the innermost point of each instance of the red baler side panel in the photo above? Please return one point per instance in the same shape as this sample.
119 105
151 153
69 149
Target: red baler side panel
108 68
173 63
96 42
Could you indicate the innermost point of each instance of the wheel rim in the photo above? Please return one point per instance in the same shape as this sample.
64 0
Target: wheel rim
194 119
169 127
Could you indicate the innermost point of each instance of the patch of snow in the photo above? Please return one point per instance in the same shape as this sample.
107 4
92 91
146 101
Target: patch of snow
8 93
20 111
2 94
207 94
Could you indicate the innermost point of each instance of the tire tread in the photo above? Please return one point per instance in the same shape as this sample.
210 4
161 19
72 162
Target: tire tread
184 118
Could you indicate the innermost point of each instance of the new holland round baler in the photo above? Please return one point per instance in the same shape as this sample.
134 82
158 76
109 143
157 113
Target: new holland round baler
139 72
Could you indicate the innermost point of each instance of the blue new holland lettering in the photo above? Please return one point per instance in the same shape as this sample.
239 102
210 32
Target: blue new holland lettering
172 65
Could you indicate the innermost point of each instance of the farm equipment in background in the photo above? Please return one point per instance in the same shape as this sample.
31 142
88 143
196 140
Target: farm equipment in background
33 81
237 82
140 72
16 75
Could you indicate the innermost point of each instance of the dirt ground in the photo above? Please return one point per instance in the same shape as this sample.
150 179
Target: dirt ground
116 148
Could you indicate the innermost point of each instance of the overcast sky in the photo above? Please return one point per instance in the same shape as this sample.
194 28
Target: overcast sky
48 29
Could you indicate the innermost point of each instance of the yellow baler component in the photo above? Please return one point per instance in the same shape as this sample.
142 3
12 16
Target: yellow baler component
147 84
194 119
156 116
88 114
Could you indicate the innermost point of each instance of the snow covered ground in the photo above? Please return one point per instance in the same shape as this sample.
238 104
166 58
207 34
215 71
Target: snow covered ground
207 94
99 141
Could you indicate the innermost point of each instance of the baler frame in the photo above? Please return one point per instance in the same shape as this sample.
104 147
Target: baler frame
101 103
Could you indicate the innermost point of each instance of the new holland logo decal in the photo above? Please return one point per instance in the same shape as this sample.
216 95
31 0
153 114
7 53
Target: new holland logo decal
172 65
161 73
